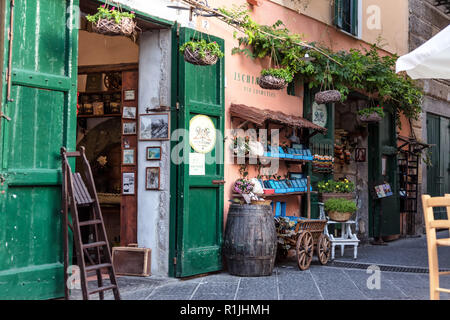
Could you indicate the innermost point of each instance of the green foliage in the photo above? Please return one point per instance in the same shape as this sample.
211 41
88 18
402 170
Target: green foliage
370 110
281 73
103 12
331 186
340 205
203 47
357 69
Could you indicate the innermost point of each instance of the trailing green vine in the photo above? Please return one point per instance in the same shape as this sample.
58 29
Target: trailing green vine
363 70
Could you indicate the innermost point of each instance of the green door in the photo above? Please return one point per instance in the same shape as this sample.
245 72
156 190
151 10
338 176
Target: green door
438 174
42 112
383 168
200 194
319 144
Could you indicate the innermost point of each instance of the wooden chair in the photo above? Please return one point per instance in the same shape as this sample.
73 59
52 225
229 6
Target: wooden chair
432 242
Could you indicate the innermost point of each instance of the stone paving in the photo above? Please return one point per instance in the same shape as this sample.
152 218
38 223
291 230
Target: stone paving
289 283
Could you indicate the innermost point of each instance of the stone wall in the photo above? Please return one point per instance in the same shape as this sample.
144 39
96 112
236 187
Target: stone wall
425 21
357 172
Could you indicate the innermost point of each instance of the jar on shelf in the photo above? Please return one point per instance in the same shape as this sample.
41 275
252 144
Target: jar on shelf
87 105
97 105
107 103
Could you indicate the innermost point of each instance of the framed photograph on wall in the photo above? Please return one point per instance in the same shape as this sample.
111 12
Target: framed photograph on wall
154 126
152 178
128 183
129 157
129 113
129 128
153 153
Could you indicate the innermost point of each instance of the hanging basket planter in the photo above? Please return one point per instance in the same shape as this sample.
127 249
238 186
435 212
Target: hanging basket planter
275 79
374 117
327 96
109 27
194 57
270 82
201 53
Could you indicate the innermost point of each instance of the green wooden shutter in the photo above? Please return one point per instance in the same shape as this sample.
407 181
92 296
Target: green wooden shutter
346 15
43 118
383 143
338 13
199 200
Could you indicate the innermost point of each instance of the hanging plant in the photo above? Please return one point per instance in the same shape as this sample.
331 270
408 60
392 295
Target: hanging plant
201 52
365 70
327 96
275 79
371 114
112 22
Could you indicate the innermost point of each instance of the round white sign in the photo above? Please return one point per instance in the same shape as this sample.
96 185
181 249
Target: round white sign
202 134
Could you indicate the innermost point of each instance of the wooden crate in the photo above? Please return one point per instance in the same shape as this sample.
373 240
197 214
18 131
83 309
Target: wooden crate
132 261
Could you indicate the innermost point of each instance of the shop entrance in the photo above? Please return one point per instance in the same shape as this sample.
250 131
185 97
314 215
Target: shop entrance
106 124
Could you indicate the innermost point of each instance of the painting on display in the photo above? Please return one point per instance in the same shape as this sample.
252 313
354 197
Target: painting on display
154 126
152 179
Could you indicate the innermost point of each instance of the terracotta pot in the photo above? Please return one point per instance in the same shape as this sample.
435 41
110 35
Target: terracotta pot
339 216
325 196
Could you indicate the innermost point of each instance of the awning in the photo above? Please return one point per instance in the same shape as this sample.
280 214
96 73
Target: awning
429 61
259 117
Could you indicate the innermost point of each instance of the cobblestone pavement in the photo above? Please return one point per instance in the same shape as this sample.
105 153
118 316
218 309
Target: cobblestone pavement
318 283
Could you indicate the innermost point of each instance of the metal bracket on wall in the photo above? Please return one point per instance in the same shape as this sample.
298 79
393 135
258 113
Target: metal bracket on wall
2 115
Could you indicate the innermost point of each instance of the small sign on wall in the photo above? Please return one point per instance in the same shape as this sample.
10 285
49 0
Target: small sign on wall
384 191
197 164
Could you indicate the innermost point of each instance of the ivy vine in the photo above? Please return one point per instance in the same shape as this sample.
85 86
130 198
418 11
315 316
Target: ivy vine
365 70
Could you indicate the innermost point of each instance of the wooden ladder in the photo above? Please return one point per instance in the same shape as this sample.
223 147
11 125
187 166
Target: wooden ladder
75 195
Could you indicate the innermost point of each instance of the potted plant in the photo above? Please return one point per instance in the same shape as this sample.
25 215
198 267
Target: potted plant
371 114
112 22
335 189
275 78
339 209
201 52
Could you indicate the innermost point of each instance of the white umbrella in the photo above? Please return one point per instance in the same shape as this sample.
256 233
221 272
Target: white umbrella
429 61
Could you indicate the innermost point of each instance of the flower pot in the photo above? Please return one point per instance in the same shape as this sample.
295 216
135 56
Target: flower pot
325 196
374 117
194 57
327 96
272 83
339 216
109 27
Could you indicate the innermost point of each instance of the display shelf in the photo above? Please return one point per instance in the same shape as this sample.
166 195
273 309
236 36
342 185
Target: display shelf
278 194
99 116
265 158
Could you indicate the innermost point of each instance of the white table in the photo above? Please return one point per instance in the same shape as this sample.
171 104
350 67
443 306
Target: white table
347 238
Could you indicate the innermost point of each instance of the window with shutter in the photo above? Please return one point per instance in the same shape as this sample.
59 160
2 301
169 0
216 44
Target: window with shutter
346 15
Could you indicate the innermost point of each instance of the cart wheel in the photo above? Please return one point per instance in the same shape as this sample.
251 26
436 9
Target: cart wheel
323 249
305 250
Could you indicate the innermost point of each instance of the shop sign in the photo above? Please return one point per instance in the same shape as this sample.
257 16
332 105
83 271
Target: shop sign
319 114
251 85
202 134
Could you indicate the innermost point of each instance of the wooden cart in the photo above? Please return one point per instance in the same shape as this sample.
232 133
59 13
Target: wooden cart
307 237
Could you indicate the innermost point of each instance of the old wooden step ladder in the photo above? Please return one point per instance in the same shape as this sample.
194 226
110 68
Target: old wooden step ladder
76 195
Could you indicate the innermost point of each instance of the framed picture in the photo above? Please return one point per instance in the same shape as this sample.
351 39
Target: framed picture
154 126
129 95
129 128
360 154
152 178
129 158
153 153
129 112
128 183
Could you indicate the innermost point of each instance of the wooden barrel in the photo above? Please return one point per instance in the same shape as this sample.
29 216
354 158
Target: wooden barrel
250 242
